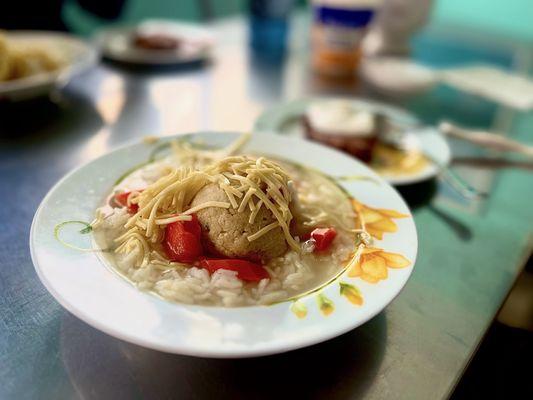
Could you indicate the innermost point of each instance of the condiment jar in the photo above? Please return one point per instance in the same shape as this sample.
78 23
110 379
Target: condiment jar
337 31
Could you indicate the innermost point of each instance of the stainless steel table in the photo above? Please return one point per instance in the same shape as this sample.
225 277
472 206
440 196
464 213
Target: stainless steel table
470 253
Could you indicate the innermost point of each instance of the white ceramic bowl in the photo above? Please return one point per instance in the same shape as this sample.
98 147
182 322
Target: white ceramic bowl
91 291
79 54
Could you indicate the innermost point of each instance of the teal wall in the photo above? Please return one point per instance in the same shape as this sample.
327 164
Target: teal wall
509 17
134 11
178 9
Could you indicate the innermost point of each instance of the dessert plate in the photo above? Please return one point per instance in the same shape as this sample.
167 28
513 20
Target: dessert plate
286 119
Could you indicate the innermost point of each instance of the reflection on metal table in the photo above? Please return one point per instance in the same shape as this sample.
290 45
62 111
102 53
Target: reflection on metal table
470 252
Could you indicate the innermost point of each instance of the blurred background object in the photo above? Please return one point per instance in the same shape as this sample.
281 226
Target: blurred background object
39 63
396 22
269 27
337 32
81 21
48 15
157 42
510 18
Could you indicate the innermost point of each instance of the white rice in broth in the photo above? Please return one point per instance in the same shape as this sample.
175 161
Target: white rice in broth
320 201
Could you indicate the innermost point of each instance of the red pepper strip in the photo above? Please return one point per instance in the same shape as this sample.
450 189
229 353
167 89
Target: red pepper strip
323 238
192 226
182 240
246 270
122 200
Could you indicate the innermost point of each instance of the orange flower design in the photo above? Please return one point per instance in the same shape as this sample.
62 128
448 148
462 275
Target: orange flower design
373 262
377 221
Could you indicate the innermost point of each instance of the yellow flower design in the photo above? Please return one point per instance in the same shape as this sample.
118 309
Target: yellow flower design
377 221
325 305
351 293
299 309
373 262
369 263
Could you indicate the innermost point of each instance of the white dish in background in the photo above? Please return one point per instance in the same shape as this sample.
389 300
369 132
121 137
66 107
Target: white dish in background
286 119
116 43
93 292
397 76
79 55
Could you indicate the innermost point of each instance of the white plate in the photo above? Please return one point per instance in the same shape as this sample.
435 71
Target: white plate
285 119
79 55
92 292
115 43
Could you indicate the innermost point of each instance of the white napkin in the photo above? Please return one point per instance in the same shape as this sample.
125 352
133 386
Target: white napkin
492 83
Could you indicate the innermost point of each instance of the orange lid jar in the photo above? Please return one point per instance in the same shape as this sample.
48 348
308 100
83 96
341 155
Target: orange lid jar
337 31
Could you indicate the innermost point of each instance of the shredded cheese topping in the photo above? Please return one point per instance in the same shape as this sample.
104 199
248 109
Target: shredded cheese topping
248 182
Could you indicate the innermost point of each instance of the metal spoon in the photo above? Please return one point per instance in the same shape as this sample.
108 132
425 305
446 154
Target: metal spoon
485 139
395 134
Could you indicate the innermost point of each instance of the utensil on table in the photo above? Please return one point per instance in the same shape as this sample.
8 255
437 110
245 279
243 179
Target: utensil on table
393 133
485 139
